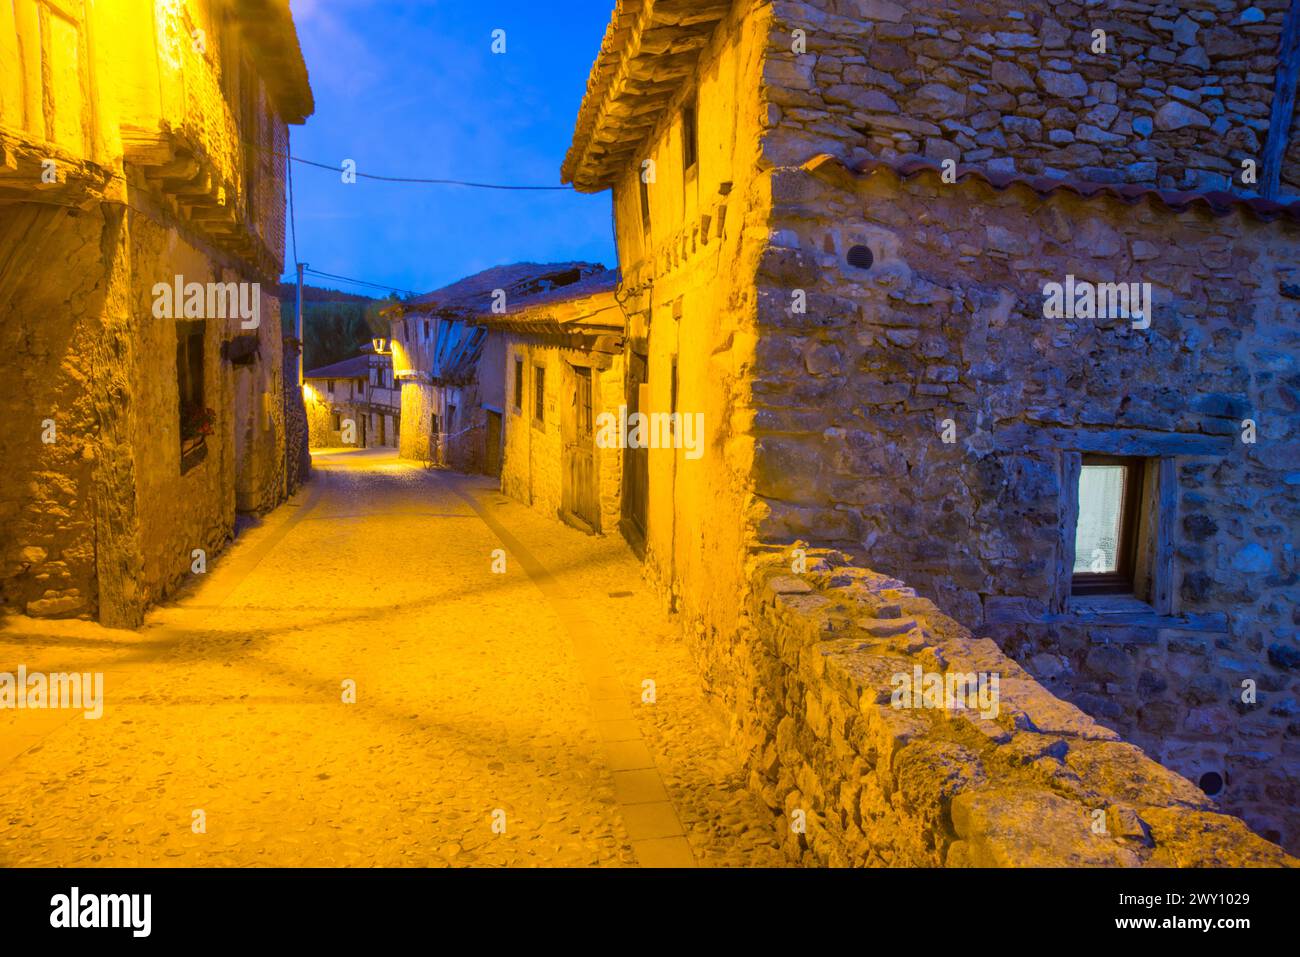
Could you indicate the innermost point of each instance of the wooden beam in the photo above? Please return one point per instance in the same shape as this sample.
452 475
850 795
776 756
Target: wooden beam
1070 466
1162 572
1110 441
1280 118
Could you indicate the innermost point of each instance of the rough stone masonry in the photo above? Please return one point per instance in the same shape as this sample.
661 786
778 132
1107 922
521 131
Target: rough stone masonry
923 173
1063 163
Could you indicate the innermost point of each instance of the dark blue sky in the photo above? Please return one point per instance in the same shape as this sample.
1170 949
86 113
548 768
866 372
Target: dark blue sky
412 88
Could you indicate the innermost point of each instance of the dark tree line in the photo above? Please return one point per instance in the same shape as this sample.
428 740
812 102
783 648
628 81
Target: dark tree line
335 324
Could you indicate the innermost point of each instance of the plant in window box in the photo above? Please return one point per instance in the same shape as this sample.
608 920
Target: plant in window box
196 424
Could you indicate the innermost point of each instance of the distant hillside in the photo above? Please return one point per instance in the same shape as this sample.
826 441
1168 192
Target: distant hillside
316 294
335 324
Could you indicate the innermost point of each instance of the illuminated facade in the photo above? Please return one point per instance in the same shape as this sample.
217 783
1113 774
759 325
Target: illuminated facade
561 356
355 402
143 147
452 369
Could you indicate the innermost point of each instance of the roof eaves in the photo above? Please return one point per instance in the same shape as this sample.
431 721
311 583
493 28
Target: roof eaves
269 28
649 49
1216 203
353 367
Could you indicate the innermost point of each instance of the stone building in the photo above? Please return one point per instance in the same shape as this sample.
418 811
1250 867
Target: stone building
452 370
562 353
846 230
141 238
355 402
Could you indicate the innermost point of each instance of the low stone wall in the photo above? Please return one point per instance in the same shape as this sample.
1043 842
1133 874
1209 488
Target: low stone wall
1026 780
297 453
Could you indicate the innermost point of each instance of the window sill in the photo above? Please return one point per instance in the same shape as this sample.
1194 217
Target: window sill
1100 605
1108 611
191 458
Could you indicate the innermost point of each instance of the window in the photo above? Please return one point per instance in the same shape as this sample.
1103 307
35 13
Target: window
672 401
644 189
1107 529
426 329
519 386
361 388
451 418
331 388
582 402
337 422
690 137
539 395
196 419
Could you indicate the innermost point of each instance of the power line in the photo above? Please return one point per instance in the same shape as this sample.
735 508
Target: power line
405 179
434 182
359 282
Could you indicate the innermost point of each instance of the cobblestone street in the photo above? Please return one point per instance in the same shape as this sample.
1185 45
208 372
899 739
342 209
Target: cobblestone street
482 699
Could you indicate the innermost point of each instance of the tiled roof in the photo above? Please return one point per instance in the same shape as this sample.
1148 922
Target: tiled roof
472 295
604 281
589 307
357 367
1216 203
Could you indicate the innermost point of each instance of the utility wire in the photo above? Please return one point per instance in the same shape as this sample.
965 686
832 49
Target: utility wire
404 179
435 182
359 282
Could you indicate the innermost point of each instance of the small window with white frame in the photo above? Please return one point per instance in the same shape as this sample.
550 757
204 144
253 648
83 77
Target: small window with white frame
1107 531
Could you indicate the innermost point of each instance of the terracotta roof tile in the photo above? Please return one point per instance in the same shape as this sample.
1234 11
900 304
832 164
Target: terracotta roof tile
1217 203
473 294
356 367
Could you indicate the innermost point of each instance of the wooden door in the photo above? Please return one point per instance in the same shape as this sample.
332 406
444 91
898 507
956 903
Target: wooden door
578 492
493 457
636 462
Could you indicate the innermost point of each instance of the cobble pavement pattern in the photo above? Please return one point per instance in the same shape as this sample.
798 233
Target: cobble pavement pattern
500 719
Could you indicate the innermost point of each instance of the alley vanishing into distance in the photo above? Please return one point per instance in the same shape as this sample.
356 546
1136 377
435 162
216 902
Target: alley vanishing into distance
493 723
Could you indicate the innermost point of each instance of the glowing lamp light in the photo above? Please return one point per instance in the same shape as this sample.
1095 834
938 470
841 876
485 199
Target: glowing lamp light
379 342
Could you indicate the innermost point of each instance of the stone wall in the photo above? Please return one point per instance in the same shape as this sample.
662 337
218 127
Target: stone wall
320 422
296 429
826 423
355 400
108 495
463 439
946 329
419 405
179 511
857 781
47 523
1180 98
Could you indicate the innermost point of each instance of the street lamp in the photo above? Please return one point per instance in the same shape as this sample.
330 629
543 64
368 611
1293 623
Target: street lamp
379 342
